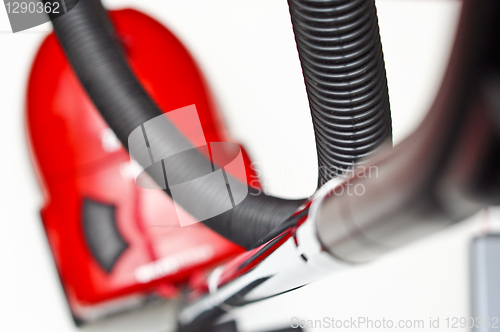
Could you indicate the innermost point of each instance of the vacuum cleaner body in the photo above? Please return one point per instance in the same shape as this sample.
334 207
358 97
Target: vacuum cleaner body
115 244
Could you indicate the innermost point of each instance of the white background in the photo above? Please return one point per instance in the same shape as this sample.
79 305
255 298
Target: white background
247 51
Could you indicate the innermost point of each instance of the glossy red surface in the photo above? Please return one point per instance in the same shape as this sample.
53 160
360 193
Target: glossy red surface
75 157
247 261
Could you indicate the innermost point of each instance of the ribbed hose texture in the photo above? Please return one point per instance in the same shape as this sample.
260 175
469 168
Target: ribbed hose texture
341 56
86 36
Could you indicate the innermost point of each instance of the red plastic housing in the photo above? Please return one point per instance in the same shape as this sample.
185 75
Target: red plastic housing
76 157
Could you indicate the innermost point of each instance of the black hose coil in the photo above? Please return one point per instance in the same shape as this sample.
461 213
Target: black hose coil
88 39
341 56
93 50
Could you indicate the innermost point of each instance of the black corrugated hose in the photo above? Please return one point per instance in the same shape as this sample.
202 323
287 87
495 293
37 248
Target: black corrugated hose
341 55
98 61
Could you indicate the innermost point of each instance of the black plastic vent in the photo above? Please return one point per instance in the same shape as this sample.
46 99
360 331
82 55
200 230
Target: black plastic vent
101 233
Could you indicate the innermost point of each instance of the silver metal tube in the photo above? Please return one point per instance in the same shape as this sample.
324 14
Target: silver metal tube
446 171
